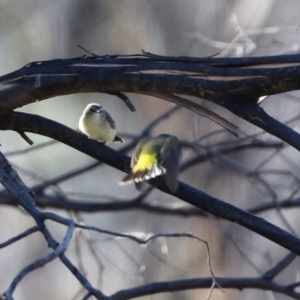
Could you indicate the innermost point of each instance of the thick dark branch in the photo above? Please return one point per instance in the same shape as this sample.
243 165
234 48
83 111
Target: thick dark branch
39 125
229 85
209 78
245 107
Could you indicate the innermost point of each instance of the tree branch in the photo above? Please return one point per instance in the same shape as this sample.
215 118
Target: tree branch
43 261
196 283
13 183
214 79
40 125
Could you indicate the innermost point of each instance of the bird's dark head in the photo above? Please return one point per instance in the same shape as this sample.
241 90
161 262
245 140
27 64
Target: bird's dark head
94 108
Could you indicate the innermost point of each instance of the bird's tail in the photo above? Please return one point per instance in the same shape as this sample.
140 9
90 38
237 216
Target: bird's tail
117 139
139 176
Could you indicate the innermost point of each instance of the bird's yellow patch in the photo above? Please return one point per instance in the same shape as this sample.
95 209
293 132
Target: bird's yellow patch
145 162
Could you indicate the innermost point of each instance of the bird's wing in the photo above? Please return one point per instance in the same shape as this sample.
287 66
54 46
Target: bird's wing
170 144
170 160
110 120
118 139
141 175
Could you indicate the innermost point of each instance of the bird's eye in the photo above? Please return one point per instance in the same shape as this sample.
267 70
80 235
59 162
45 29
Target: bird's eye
95 108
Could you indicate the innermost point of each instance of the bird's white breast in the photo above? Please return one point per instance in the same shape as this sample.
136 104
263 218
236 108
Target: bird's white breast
96 128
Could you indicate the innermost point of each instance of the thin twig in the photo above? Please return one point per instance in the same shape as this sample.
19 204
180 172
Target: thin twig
20 236
197 108
135 237
126 100
87 51
33 148
25 137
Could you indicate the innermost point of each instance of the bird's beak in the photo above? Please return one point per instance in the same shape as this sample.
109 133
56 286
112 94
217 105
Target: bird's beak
96 110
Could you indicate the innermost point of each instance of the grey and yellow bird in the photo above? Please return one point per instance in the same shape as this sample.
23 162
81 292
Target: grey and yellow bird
98 125
152 157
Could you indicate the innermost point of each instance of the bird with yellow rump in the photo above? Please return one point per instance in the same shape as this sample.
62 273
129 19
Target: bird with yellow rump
152 157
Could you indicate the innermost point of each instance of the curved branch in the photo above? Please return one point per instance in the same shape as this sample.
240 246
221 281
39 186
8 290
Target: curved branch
208 78
40 125
198 109
196 283
244 106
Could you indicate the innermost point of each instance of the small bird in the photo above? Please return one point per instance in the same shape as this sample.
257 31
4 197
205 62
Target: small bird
98 125
152 157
